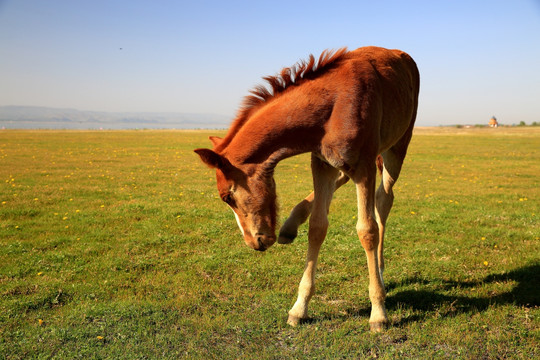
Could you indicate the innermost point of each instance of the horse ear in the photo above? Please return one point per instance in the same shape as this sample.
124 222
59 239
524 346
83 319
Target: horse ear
210 158
216 140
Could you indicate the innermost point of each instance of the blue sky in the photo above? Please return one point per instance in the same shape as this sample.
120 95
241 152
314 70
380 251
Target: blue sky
476 58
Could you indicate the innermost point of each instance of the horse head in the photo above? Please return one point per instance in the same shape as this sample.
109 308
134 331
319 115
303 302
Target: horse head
250 192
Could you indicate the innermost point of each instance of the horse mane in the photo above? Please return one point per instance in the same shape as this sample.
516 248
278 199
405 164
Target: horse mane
288 77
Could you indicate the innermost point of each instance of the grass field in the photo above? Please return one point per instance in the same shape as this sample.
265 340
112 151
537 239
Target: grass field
114 244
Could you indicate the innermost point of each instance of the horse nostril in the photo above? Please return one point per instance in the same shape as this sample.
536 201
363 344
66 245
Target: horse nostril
261 247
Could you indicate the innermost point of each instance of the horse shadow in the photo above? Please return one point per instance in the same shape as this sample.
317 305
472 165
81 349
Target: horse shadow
426 299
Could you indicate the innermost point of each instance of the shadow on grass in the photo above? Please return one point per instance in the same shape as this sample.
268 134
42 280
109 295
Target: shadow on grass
524 293
425 302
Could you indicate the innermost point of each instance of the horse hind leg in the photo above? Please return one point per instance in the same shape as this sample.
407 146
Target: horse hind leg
300 213
368 233
384 199
389 168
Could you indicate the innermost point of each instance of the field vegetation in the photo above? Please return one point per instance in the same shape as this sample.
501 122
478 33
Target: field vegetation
114 244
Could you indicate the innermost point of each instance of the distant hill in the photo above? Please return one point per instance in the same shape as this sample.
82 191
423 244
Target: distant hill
33 117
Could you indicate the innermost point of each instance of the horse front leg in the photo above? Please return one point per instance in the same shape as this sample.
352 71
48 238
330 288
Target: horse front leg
298 216
324 180
300 213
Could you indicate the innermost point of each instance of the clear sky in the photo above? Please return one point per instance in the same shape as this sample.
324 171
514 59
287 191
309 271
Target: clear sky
476 58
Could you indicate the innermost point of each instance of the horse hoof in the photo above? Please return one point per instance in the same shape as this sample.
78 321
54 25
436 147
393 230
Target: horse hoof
293 320
377 326
285 238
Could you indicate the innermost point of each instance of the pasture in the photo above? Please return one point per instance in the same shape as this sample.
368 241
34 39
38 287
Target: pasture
114 244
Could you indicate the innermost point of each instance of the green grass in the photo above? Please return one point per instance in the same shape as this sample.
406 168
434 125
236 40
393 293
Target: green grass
115 245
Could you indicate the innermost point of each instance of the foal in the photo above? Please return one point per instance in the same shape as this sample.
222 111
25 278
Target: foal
351 110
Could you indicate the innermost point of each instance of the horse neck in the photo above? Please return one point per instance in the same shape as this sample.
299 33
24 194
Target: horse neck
273 134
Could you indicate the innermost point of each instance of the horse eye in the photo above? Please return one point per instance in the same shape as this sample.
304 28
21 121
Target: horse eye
227 198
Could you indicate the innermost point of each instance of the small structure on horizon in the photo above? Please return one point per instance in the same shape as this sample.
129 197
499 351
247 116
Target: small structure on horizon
493 122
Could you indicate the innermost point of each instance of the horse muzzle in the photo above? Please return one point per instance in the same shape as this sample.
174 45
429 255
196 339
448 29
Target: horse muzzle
259 241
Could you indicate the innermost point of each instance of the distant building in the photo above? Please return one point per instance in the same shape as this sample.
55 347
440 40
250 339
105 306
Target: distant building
493 122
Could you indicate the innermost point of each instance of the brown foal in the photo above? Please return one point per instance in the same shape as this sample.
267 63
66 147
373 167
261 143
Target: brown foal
354 111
